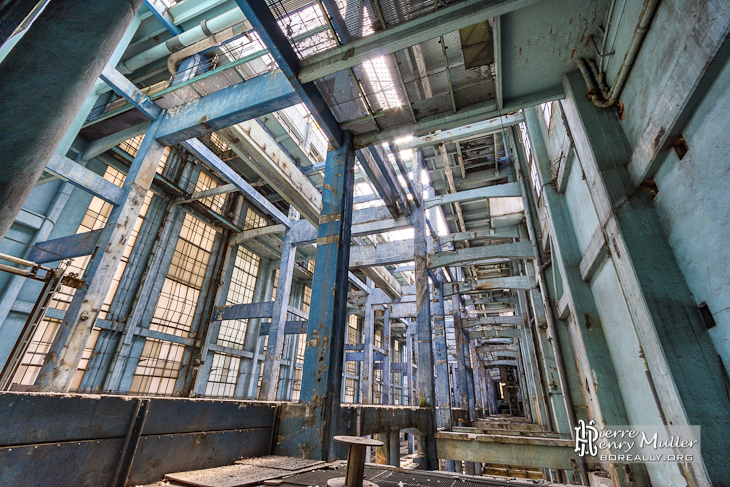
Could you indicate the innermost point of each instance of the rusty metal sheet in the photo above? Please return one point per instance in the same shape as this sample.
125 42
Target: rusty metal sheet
477 45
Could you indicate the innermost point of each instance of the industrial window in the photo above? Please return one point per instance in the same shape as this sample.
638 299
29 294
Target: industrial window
223 375
352 338
232 333
192 252
131 146
350 385
526 141
547 112
530 160
254 220
158 368
306 299
377 386
95 217
216 203
36 353
297 385
160 363
264 340
378 338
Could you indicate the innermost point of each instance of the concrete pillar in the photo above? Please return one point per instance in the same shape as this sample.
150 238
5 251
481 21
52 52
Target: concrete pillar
275 346
328 312
683 374
61 363
61 56
426 385
394 448
463 397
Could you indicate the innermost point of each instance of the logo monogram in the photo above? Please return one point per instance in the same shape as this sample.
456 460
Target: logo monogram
585 438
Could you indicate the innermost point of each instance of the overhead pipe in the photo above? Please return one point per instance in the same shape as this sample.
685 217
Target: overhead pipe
206 28
212 41
605 97
224 36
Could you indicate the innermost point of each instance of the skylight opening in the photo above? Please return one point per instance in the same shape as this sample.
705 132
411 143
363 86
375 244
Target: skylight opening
379 75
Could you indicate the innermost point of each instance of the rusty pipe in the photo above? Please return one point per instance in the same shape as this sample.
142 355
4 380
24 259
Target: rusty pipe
610 97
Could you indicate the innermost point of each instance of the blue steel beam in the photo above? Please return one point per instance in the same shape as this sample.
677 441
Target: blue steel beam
328 311
213 161
83 178
264 23
126 89
249 99
421 29
162 13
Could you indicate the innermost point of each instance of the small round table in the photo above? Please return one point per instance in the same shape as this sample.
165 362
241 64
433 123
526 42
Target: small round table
355 462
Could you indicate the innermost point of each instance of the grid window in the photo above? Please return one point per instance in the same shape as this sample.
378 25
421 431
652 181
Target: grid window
36 353
158 368
223 375
216 203
378 338
547 112
350 385
352 330
232 333
131 146
306 298
377 385
297 385
254 220
192 252
175 308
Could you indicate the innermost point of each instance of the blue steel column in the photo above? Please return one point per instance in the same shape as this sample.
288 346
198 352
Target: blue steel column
385 375
328 312
426 386
443 392
275 345
62 360
248 371
44 81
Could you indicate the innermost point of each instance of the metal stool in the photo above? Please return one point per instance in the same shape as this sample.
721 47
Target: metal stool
355 462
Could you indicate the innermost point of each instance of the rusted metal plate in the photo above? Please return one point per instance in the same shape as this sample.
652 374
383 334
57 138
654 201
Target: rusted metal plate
46 418
227 476
158 455
280 462
67 464
171 415
477 45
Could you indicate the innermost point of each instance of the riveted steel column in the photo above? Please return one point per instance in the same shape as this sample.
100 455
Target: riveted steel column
328 311
63 359
275 346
